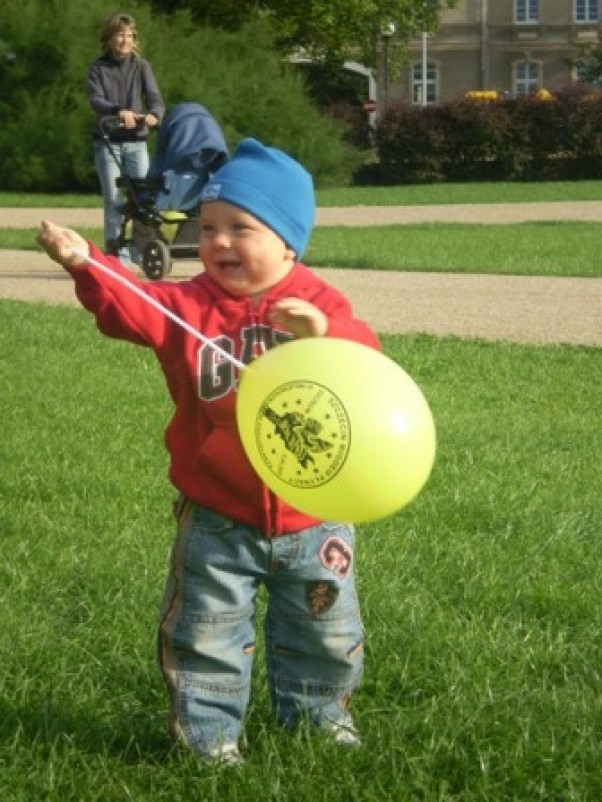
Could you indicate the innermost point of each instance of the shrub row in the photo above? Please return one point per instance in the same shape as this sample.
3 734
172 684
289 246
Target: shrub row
522 139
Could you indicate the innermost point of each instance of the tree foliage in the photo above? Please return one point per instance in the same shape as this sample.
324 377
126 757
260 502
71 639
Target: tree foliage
590 62
334 30
47 45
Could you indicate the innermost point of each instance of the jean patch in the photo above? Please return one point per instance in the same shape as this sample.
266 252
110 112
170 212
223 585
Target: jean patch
336 556
320 596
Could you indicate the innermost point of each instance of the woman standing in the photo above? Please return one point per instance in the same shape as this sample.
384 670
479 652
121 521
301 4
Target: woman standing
121 84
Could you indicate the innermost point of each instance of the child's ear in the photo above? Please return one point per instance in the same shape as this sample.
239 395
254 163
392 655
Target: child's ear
290 254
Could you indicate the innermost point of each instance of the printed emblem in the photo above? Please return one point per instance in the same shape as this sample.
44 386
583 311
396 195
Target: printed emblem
320 596
337 556
211 192
302 434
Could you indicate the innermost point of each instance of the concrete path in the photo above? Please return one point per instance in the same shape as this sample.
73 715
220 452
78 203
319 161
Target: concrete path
360 215
513 308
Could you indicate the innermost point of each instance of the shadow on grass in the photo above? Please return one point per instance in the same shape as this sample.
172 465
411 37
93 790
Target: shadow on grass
48 725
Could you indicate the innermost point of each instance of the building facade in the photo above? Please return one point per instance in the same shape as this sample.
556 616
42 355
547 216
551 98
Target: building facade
510 46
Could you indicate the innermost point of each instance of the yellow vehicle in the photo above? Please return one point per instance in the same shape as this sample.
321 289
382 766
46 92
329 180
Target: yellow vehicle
482 94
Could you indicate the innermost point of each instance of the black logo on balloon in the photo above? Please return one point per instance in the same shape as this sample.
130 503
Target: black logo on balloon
302 433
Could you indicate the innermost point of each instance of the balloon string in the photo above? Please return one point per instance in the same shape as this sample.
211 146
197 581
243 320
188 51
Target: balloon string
167 312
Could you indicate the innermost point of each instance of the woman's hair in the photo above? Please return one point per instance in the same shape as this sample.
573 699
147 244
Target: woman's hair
112 25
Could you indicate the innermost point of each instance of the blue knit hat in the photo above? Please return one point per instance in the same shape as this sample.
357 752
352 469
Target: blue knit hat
272 187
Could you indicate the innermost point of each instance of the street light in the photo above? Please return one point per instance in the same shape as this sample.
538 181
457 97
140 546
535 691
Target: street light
428 6
423 97
387 30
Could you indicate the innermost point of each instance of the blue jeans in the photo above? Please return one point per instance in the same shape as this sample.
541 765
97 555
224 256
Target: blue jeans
314 633
134 160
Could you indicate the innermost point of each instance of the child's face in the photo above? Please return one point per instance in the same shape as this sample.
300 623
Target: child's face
239 252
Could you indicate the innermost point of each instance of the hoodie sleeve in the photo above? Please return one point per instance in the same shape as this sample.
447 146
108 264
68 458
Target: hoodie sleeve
120 312
342 322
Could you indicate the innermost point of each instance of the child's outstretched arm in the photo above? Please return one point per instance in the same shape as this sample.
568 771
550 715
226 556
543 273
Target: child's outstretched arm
59 243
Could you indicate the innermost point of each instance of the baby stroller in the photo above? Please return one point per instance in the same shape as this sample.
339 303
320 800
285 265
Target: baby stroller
161 210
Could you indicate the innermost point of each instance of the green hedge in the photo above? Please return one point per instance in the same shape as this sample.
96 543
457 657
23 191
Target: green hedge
524 139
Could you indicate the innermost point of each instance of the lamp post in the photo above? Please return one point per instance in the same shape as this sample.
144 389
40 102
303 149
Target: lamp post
427 5
423 97
387 31
429 10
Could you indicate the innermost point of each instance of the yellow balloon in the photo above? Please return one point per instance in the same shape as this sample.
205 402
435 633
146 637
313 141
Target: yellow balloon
336 429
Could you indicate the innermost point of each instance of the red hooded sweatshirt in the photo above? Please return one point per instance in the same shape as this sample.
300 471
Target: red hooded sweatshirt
207 460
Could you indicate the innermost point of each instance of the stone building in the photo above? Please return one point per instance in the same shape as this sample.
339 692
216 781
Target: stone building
510 46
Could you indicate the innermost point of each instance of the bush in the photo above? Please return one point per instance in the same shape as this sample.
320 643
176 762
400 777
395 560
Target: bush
356 123
582 139
474 135
410 143
526 139
46 133
254 94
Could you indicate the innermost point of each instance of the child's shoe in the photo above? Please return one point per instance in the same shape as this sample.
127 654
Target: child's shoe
342 730
346 735
226 755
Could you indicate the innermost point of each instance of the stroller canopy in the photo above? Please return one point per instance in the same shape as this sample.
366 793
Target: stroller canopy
190 148
189 139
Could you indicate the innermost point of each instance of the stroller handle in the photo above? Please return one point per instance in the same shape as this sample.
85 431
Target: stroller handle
112 123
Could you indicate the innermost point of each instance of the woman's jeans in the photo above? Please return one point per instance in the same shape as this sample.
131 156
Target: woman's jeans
134 160
314 634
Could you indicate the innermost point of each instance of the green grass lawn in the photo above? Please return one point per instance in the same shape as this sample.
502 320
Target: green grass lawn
481 600
546 249
25 238
482 192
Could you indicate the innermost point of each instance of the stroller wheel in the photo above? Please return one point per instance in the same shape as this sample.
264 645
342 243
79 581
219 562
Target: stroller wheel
156 261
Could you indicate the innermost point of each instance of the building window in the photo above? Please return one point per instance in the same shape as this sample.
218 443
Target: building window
527 77
432 82
526 11
586 10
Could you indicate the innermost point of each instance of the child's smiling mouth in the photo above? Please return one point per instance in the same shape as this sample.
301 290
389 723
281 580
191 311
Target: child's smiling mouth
229 265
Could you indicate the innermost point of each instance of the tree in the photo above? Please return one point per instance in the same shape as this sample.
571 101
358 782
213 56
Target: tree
589 63
45 49
333 30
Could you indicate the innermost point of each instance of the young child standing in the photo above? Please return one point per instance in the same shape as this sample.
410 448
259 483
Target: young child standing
233 533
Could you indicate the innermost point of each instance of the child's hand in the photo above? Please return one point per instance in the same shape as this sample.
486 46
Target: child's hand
299 317
59 244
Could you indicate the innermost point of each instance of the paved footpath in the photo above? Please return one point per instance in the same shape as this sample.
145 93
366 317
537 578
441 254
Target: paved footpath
361 215
519 309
